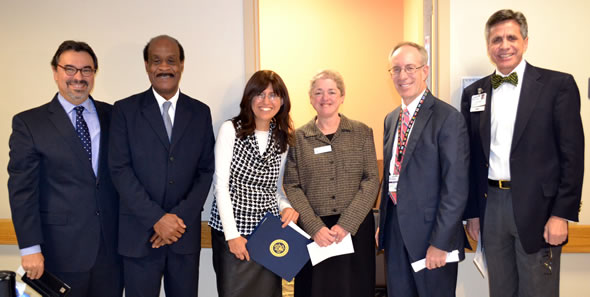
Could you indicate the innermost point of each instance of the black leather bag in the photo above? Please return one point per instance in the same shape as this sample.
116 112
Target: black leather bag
48 285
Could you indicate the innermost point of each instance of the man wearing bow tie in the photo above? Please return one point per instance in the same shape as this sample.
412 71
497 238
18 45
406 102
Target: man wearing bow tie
527 164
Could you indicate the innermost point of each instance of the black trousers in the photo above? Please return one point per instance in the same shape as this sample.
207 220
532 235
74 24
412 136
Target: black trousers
351 275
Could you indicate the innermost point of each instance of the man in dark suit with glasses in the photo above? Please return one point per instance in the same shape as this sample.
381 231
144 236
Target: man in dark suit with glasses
64 205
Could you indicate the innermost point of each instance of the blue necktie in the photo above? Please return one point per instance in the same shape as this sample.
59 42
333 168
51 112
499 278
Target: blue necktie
82 131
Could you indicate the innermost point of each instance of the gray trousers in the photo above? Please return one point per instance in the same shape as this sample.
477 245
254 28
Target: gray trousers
512 272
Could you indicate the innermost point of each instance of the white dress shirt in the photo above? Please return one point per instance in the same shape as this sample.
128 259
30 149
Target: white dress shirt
504 106
173 100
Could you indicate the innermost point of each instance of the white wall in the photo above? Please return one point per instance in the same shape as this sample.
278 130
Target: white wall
558 39
211 33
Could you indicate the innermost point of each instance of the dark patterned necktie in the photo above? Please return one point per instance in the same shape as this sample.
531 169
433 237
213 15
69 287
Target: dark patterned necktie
497 80
82 131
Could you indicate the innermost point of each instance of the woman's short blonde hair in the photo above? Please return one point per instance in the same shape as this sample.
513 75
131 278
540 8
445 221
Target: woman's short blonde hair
328 74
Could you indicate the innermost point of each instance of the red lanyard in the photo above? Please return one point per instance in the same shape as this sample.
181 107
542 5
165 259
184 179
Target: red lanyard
402 140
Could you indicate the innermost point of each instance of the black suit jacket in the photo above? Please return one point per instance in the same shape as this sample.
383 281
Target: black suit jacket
546 156
433 183
56 200
155 176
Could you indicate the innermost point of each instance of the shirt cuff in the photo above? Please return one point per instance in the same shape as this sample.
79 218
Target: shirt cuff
30 250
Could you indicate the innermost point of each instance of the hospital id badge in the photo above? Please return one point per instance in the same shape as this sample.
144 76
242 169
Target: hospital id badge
478 102
393 179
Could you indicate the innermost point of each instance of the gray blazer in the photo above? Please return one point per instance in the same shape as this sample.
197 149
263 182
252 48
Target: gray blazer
342 181
433 183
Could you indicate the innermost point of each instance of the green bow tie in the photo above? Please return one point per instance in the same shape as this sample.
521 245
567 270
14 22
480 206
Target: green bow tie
497 80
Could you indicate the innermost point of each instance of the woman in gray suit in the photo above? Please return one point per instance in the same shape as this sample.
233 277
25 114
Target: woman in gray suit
331 179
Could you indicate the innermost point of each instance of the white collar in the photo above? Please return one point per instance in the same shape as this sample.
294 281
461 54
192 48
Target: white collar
412 106
161 99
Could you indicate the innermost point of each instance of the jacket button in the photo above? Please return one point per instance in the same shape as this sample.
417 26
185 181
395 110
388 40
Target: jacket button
171 159
97 213
485 195
171 182
333 197
334 210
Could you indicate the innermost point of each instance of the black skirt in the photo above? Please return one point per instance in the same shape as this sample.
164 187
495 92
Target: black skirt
237 278
351 275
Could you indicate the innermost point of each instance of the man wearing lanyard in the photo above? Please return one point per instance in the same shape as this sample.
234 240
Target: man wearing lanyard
528 163
426 160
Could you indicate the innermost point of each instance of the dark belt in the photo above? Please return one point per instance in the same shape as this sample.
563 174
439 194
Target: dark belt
500 184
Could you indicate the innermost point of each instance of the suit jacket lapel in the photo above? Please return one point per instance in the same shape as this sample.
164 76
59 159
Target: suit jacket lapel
529 94
418 127
104 136
151 112
181 118
59 118
485 119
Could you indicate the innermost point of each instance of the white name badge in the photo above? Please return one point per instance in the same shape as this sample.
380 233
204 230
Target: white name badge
322 149
393 179
478 102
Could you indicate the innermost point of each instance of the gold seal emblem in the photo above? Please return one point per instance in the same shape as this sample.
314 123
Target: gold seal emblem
279 248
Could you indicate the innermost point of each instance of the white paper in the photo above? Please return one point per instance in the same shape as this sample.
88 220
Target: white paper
318 254
20 271
480 260
299 230
421 264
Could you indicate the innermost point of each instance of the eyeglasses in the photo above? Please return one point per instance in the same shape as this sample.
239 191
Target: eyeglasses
547 261
71 70
410 69
271 96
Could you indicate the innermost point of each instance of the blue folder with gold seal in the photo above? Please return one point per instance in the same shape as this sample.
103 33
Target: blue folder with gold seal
281 250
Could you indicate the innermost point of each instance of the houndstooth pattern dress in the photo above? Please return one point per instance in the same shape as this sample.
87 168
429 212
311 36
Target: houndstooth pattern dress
252 183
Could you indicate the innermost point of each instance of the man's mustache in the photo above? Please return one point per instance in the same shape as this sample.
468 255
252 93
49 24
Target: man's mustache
75 81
